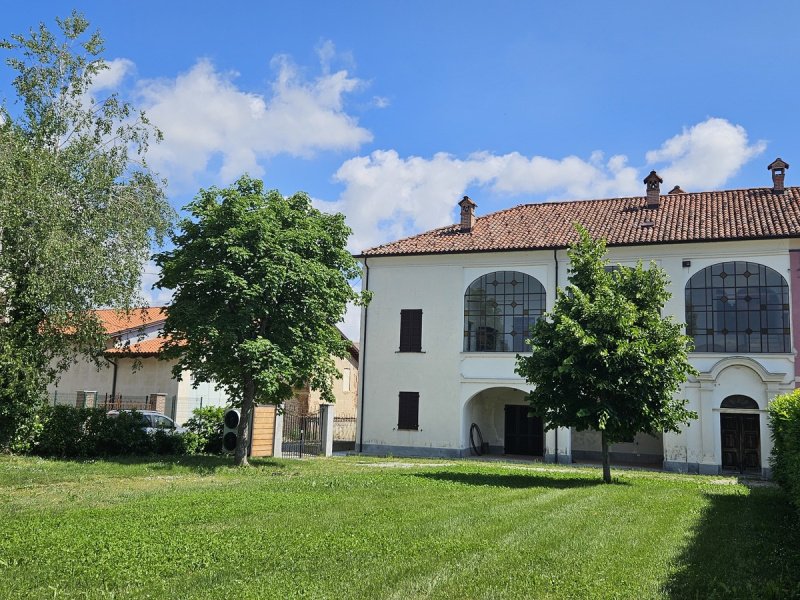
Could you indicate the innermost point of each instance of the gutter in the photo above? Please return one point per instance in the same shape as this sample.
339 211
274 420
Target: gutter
362 369
555 292
114 379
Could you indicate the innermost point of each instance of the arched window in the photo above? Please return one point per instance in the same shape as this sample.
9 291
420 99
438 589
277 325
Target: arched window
740 402
499 309
738 307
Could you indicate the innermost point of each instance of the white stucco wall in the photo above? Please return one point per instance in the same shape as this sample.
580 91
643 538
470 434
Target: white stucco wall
447 378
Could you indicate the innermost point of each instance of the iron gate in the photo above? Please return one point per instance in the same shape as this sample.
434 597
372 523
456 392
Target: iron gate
302 435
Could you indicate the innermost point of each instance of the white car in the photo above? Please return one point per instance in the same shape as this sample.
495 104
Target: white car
153 421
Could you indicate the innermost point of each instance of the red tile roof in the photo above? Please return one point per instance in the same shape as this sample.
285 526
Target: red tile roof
690 217
115 321
149 347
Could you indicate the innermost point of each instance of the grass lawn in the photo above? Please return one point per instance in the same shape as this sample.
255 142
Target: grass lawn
368 528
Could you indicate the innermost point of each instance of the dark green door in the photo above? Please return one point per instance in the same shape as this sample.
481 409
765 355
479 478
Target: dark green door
524 434
741 442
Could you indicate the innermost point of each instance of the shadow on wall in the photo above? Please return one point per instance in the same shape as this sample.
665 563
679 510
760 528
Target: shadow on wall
746 545
532 480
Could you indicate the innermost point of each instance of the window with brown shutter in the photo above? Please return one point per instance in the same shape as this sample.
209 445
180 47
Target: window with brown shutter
411 330
408 413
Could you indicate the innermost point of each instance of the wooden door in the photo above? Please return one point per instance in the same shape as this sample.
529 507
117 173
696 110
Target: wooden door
741 442
524 434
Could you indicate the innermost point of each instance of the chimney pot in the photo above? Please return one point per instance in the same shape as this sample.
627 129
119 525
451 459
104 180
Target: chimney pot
653 183
778 168
677 190
467 213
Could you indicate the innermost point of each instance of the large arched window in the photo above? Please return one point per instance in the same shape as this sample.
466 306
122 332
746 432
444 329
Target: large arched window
499 309
738 307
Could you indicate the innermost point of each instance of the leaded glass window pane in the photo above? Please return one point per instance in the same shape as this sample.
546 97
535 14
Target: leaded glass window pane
499 309
738 306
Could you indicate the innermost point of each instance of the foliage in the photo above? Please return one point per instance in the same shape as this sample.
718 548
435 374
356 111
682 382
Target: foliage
784 420
206 424
79 209
604 358
260 281
427 530
69 432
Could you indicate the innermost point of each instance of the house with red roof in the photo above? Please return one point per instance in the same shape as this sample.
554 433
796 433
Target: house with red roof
451 308
130 374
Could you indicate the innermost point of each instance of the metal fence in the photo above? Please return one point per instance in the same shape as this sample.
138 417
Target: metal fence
178 408
302 435
102 400
344 433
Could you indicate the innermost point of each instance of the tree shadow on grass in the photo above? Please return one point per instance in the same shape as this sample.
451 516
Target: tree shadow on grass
527 480
744 546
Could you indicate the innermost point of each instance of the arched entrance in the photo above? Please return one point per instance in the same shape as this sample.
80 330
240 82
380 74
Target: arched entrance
740 432
502 414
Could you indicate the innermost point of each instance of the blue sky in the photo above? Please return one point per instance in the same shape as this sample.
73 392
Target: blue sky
391 111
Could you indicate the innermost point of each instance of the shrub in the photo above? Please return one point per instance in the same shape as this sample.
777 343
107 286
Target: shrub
63 431
174 443
69 432
206 424
784 413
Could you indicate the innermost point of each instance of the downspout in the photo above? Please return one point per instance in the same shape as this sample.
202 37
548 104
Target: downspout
114 378
555 260
362 371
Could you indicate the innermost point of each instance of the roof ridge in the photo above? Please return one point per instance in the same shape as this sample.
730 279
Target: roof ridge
743 213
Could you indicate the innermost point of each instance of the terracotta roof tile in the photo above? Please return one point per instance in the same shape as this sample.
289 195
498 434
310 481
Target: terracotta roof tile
149 347
115 321
756 213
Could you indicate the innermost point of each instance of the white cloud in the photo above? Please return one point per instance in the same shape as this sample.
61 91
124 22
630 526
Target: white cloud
387 197
381 101
705 155
111 77
205 116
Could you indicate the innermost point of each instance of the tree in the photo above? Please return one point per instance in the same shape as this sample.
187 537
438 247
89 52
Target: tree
79 210
604 358
260 282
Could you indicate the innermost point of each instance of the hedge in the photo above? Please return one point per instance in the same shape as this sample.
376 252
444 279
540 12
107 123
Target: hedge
69 432
784 413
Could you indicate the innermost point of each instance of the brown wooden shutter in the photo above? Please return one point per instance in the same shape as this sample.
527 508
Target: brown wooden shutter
411 330
408 413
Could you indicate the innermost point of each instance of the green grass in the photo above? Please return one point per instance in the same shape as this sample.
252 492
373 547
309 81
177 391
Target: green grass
355 528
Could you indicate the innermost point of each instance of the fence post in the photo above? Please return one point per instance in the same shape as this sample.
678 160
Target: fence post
326 412
158 402
277 437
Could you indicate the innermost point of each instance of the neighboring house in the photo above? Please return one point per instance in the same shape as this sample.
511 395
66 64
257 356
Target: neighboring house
132 376
306 401
451 308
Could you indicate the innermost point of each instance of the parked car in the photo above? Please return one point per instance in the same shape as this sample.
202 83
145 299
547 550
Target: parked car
153 421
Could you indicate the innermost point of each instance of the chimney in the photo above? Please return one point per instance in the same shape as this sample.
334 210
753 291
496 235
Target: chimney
467 213
677 190
778 168
653 182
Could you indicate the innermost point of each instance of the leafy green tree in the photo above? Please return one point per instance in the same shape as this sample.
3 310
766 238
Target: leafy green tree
604 358
260 282
79 210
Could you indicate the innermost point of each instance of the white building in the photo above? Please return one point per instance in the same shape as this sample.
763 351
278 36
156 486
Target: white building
130 374
451 306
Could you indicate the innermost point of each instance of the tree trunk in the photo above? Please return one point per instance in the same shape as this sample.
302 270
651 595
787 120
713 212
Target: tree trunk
606 465
243 447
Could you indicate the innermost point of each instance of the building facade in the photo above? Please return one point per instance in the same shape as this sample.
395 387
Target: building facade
451 308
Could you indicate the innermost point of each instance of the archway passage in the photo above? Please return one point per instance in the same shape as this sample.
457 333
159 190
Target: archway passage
741 442
524 433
